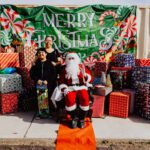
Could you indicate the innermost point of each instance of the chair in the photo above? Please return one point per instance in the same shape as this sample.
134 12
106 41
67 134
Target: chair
60 114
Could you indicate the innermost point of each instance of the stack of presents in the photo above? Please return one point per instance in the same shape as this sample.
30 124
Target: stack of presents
124 85
122 88
16 87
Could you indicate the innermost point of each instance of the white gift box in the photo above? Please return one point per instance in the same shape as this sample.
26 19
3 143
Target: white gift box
102 90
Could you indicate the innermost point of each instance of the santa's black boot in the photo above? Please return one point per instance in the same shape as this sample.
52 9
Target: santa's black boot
74 118
82 115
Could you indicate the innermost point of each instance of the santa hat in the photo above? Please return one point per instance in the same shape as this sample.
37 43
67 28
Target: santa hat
73 55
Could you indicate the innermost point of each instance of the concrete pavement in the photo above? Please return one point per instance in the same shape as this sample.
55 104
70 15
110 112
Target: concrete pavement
24 127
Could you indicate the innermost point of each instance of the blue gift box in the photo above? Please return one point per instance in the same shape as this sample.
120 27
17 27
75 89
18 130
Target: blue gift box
124 60
142 100
140 74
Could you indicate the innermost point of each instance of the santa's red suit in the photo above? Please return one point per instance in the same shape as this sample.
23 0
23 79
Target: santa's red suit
76 87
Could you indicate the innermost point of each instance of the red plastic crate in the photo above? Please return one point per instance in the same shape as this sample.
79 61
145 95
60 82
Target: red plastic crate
9 102
98 106
119 104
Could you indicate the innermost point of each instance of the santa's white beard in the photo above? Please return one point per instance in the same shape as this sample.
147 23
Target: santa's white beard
72 70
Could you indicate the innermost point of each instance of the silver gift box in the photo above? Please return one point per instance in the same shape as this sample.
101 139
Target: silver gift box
10 83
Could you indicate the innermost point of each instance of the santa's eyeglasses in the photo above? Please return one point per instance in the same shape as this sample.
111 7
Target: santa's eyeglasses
71 58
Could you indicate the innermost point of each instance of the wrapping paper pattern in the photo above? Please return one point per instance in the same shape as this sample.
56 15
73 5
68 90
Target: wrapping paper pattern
9 60
10 83
142 62
26 79
119 104
98 106
121 77
100 67
124 60
140 74
27 56
142 101
9 102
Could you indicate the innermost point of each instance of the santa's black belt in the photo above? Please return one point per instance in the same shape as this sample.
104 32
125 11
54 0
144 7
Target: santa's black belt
75 84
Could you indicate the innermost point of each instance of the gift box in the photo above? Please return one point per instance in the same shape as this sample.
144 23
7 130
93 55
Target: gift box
27 82
142 100
98 106
2 50
132 99
102 90
9 102
10 83
121 77
142 62
141 74
26 57
27 100
9 60
124 60
119 104
100 67
96 81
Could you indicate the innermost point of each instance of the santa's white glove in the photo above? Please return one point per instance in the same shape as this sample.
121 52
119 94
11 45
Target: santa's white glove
66 91
88 84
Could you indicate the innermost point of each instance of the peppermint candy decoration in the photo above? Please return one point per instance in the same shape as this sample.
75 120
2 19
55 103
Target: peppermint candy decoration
5 38
28 28
129 27
11 21
106 13
90 61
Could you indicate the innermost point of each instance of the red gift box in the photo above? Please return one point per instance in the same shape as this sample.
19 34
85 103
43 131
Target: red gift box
27 82
2 50
27 56
142 62
119 104
121 68
9 102
100 67
132 99
98 106
9 60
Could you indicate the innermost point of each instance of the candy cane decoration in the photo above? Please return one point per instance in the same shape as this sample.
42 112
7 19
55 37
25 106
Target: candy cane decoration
106 13
10 20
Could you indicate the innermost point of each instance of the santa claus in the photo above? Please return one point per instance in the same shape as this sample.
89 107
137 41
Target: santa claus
74 82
